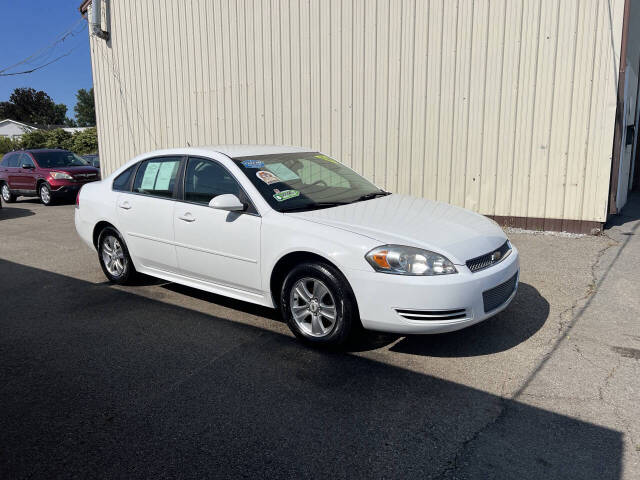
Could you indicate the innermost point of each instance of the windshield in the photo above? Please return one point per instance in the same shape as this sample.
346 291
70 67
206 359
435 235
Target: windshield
57 159
305 181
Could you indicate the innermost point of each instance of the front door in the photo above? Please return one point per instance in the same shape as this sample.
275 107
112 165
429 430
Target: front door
145 215
213 245
26 173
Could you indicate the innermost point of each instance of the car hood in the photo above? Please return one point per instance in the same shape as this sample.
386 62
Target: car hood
73 170
455 232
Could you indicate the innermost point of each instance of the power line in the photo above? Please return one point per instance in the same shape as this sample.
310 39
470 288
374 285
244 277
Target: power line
46 51
40 66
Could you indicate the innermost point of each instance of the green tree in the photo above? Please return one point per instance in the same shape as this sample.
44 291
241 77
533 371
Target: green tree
85 142
85 108
59 138
33 106
7 144
34 139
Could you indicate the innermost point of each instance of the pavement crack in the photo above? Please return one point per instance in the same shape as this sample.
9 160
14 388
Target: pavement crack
572 315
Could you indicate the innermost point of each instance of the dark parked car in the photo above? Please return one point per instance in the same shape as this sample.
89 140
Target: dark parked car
46 173
93 159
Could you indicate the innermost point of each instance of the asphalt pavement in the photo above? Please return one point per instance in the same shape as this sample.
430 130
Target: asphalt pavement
157 380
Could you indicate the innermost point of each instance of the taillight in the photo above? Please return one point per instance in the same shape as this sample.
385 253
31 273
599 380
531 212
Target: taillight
78 199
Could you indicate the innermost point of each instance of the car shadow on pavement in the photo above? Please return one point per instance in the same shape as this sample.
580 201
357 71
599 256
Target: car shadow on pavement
7 213
99 382
239 305
522 319
526 314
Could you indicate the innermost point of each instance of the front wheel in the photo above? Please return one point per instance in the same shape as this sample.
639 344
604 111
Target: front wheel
318 304
7 196
45 194
114 257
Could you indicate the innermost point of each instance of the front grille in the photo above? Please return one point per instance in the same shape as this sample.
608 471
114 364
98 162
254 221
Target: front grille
432 314
489 259
496 296
85 177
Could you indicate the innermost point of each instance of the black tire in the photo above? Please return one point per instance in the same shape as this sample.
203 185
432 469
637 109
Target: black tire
7 196
128 272
346 318
44 192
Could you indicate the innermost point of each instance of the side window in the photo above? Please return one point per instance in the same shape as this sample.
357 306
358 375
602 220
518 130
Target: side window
5 159
157 177
122 181
25 159
13 160
205 180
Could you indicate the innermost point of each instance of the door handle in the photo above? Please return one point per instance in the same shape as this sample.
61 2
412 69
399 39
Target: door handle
187 217
125 205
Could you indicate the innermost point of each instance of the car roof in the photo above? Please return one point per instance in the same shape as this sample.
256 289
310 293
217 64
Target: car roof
44 150
235 151
231 151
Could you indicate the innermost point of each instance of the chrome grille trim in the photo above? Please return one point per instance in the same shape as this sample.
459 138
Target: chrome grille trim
485 261
432 314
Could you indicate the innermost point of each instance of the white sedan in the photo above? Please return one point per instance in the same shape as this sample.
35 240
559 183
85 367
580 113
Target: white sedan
292 229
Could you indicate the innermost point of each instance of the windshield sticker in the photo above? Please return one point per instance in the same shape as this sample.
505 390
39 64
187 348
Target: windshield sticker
325 158
286 195
284 173
267 177
252 163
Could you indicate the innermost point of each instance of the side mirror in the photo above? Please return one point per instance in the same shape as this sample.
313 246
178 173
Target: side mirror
27 166
228 202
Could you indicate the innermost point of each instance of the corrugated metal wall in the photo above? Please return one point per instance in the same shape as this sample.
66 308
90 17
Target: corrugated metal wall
505 107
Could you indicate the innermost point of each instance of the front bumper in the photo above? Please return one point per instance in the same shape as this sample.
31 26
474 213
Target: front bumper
66 187
380 295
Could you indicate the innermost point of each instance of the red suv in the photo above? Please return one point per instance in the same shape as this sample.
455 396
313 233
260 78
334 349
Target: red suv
44 173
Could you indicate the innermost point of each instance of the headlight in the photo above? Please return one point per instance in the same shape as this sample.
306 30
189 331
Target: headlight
402 260
61 176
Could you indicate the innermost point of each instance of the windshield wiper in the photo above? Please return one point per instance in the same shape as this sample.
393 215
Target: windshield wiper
315 206
369 196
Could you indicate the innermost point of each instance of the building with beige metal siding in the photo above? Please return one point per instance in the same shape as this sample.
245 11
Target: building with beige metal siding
512 108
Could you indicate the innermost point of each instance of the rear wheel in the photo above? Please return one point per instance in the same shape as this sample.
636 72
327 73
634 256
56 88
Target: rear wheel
318 304
44 191
114 257
7 196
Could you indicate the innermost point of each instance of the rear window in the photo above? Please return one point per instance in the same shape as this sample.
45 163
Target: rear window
123 181
157 177
10 160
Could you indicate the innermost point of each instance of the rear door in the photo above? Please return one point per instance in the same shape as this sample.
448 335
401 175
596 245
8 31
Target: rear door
4 166
11 171
145 214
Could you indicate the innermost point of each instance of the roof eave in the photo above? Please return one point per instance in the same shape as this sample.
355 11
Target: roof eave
84 7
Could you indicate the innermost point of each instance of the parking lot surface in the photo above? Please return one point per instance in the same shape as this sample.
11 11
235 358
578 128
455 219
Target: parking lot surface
158 380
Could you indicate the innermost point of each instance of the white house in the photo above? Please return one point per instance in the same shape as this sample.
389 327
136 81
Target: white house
12 129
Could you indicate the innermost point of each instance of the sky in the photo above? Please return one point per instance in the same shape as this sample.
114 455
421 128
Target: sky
27 26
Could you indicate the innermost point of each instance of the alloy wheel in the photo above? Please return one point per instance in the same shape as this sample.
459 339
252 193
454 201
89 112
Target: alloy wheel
6 193
113 256
45 194
313 307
